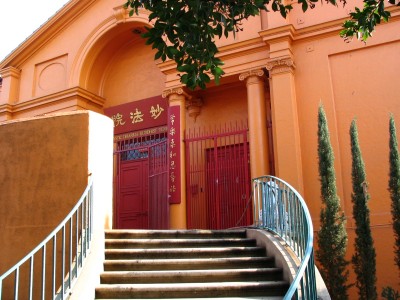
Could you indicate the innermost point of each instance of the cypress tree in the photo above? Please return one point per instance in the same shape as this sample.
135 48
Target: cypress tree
332 236
364 258
394 187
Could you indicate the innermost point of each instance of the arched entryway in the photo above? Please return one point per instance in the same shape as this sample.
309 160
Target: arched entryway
118 66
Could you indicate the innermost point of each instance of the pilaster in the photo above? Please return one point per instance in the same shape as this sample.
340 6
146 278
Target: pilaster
176 156
10 85
286 132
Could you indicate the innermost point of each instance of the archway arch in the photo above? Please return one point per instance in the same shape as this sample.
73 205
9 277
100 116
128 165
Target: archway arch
115 63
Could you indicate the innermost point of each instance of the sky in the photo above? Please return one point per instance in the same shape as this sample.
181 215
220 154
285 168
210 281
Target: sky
19 19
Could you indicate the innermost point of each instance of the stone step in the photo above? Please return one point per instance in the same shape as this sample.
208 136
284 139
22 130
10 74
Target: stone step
188 264
183 253
192 290
123 243
174 234
187 276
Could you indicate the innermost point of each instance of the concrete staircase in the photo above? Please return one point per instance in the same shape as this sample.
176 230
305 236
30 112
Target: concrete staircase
187 264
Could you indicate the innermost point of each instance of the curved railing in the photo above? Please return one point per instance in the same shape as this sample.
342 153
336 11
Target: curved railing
51 275
279 208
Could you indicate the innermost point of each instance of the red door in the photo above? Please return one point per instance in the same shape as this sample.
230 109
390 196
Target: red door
227 186
133 200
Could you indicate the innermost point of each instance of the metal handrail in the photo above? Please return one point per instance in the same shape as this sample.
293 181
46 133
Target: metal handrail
279 208
78 224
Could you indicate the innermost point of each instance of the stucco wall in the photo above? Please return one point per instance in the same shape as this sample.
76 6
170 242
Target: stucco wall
352 81
44 167
43 172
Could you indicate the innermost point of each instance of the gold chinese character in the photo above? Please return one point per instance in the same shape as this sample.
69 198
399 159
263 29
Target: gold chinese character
137 117
172 189
172 118
156 112
172 166
172 154
118 120
172 144
172 176
172 131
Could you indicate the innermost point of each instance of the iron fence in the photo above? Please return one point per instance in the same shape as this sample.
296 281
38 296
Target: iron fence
41 274
217 176
279 208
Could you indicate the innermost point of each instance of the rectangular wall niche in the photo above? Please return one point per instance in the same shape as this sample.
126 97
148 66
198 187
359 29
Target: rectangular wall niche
50 76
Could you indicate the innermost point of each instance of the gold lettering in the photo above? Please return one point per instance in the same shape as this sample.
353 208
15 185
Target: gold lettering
118 119
172 118
172 144
156 112
136 117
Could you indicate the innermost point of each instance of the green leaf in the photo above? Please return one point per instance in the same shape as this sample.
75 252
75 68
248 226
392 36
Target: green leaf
185 68
304 6
158 55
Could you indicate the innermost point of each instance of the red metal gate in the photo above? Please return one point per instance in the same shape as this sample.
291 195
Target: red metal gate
158 186
141 182
218 178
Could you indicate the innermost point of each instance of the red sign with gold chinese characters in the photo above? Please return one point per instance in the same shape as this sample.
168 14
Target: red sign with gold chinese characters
138 115
174 155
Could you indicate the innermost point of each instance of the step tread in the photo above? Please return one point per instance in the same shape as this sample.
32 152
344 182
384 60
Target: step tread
183 250
189 272
188 240
181 276
193 285
190 260
179 234
189 263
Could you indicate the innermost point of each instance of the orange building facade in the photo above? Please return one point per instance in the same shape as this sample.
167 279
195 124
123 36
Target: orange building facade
262 117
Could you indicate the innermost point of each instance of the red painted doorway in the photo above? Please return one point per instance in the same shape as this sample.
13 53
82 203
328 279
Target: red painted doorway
133 200
140 183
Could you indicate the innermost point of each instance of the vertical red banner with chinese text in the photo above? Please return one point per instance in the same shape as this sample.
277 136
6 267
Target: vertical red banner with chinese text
174 155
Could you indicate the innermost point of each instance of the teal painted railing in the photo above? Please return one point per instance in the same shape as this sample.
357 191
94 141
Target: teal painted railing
279 208
31 278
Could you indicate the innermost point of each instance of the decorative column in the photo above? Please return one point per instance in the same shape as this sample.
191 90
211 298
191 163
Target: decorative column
259 163
9 91
176 156
285 121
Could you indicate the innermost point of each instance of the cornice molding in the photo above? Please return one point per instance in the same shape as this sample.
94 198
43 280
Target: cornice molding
280 65
330 28
53 99
5 109
274 35
227 52
10 71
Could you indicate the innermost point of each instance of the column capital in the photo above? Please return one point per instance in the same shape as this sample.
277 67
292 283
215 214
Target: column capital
251 73
177 90
280 65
